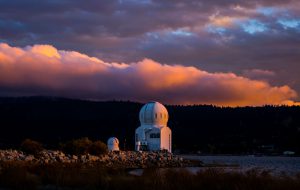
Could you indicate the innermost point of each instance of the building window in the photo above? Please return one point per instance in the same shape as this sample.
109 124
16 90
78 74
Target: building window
156 116
154 135
160 115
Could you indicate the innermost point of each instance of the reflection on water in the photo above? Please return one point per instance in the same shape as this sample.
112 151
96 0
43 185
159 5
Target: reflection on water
276 165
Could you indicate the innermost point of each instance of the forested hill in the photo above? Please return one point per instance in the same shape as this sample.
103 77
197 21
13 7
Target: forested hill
207 129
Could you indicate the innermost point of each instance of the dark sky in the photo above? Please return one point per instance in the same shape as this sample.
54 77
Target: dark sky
233 52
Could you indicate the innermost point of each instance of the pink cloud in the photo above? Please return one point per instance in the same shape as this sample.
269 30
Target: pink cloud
44 70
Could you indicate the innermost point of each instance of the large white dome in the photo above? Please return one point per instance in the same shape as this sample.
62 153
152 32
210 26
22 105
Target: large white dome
154 113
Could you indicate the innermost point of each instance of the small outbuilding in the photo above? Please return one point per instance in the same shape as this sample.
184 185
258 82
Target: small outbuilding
113 144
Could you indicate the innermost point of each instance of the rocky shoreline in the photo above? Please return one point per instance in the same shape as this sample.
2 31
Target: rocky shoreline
121 159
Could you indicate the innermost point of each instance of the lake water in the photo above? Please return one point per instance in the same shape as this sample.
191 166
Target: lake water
276 165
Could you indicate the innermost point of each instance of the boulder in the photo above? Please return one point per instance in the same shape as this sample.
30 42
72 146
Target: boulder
29 158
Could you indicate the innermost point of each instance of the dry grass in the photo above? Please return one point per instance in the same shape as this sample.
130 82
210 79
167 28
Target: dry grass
22 175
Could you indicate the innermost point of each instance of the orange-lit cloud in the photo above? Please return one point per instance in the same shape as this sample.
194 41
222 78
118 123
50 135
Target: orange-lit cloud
44 70
222 21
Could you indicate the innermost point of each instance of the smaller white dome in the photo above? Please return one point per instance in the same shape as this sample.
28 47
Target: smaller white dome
113 144
154 113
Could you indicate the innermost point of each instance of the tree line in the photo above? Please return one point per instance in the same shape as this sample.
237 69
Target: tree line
195 128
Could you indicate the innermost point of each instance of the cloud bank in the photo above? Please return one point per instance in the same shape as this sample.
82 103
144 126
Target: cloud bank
44 70
235 36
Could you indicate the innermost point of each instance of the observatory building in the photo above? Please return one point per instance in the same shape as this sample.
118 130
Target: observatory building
113 144
153 134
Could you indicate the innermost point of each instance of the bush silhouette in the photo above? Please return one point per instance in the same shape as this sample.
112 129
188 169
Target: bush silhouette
31 147
77 146
84 146
98 148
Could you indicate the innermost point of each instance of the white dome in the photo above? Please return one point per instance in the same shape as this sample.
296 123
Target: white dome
113 141
113 144
154 113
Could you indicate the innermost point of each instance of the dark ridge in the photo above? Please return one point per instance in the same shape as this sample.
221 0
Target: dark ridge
205 128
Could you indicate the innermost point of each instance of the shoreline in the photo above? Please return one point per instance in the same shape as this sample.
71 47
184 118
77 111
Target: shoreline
119 159
245 155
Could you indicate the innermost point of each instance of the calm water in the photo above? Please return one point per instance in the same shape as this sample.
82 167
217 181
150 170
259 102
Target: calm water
276 165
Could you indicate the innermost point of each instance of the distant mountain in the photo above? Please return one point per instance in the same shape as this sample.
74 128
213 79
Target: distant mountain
209 129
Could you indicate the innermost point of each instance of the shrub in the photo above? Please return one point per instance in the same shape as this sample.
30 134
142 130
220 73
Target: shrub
98 148
31 147
84 146
78 146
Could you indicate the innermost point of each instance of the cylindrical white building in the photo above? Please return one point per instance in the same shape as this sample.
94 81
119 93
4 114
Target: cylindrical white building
153 134
113 144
